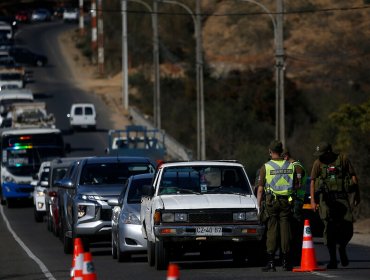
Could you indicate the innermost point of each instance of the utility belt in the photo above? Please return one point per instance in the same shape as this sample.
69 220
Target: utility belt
337 195
273 195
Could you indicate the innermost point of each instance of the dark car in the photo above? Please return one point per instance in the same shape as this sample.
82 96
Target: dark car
26 57
59 168
84 209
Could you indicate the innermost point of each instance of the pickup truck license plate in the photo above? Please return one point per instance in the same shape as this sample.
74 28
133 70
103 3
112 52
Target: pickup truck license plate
209 231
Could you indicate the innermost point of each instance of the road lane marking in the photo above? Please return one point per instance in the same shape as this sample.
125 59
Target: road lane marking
42 266
322 274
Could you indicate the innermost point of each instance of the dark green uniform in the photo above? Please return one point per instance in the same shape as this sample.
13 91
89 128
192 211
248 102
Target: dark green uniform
332 180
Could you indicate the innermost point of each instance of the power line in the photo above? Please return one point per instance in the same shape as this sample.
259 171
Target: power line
295 12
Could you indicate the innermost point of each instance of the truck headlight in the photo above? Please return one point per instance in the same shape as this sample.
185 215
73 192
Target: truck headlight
245 216
82 209
90 197
8 179
174 217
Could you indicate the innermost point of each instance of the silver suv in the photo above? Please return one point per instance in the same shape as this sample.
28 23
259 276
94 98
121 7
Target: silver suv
85 210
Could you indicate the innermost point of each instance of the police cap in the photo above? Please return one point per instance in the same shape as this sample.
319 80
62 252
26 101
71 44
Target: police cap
322 148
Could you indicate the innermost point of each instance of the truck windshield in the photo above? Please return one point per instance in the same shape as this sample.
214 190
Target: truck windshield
205 179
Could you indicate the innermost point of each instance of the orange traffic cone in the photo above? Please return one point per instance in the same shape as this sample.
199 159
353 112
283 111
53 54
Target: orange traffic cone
308 260
88 270
173 272
77 261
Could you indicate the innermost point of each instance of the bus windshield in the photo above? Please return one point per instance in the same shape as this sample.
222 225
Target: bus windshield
22 155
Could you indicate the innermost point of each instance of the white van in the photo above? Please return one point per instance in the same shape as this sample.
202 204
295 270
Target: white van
82 115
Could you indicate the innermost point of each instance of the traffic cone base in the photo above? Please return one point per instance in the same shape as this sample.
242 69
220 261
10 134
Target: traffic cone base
88 270
173 272
308 259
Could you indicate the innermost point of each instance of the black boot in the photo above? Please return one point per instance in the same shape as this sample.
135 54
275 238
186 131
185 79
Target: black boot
270 266
285 262
333 257
343 255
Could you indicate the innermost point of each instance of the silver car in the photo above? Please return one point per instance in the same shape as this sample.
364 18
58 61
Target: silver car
127 238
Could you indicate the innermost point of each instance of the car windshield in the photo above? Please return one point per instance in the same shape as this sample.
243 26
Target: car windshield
135 190
205 180
112 173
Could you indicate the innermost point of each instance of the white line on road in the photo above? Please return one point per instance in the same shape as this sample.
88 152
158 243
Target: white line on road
42 266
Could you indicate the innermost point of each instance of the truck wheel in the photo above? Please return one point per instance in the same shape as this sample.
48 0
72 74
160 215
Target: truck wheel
67 243
151 253
10 203
161 256
239 256
39 217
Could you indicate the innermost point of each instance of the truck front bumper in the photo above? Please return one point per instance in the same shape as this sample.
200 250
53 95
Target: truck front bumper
214 232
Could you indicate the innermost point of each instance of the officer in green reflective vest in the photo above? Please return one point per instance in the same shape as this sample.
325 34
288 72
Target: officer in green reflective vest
276 184
297 221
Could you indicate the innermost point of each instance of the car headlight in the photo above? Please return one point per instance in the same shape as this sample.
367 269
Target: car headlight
245 216
130 218
40 193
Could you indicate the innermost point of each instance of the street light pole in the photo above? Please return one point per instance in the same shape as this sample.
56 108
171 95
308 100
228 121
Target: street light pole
201 147
124 56
277 22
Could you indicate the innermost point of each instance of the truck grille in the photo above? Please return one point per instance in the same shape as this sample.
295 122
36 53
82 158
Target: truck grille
106 214
211 217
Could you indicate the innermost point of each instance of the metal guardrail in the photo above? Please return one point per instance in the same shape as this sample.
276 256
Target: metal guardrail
174 149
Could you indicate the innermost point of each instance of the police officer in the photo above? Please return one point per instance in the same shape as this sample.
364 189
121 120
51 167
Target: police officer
333 179
297 221
274 196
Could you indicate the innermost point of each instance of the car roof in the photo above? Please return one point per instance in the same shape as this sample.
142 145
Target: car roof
142 176
64 161
82 104
123 159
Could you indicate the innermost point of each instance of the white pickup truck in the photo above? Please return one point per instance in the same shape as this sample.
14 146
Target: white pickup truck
205 207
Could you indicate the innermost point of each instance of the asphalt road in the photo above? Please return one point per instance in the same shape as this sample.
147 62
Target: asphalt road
29 251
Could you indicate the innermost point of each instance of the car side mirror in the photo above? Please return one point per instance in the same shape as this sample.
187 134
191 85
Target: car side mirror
113 202
147 190
64 184
44 184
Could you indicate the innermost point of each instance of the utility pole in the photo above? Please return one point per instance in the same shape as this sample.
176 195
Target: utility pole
81 17
100 39
157 91
280 68
124 56
93 31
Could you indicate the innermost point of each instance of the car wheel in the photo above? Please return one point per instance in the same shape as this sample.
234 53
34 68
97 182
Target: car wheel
114 248
39 63
48 222
67 243
161 255
122 256
151 253
39 217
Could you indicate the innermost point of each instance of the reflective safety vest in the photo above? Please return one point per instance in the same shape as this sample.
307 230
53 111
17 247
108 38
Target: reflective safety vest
279 177
302 190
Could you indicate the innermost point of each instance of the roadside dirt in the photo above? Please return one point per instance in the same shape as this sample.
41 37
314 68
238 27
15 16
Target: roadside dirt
110 90
86 77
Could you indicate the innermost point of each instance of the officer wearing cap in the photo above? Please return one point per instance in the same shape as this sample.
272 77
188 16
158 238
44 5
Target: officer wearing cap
333 181
276 184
